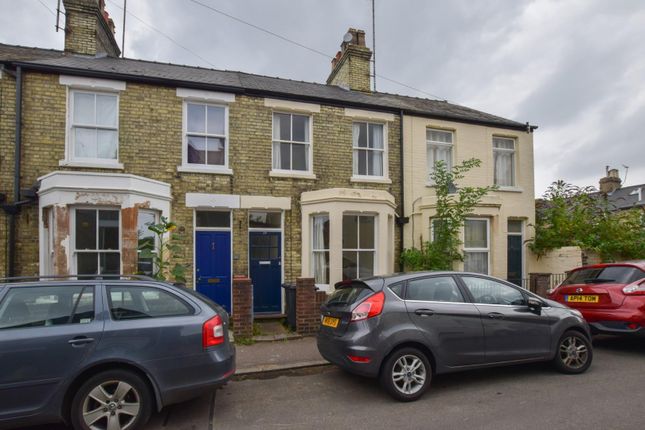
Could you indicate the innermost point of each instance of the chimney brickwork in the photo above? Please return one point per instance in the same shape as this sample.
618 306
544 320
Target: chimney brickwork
611 182
351 65
89 30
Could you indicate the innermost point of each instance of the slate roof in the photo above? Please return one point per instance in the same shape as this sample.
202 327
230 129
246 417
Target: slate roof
223 80
625 197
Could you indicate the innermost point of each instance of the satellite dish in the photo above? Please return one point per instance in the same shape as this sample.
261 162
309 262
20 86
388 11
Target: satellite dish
348 37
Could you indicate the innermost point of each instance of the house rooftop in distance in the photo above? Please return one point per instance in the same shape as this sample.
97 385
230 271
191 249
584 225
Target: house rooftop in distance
106 67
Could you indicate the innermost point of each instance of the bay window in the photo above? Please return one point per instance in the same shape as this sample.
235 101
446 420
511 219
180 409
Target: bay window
97 244
320 248
359 246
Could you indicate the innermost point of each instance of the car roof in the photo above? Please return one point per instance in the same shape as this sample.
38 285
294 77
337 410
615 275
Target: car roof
403 276
634 263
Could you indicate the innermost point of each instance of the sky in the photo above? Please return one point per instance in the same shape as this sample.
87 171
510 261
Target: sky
575 68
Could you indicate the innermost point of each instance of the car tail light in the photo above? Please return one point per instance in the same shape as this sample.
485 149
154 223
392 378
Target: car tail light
213 332
359 359
635 289
370 307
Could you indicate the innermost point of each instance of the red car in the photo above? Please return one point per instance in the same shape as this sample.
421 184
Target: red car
611 296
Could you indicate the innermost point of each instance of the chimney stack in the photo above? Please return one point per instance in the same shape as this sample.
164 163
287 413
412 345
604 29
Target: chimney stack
350 68
611 182
89 30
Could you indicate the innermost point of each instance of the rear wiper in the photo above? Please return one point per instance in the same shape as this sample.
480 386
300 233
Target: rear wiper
598 281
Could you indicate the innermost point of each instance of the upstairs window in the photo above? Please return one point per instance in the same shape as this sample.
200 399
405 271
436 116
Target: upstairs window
504 160
206 136
94 127
369 148
291 142
439 148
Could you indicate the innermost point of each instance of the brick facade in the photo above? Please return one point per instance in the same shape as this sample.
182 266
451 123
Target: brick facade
242 317
308 302
150 145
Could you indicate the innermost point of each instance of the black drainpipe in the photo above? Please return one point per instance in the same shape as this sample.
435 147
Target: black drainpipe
402 219
14 209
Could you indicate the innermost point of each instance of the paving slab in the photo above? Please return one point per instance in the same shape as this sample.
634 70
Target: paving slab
279 355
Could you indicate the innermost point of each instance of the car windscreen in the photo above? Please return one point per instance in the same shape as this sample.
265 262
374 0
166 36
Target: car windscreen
348 295
605 275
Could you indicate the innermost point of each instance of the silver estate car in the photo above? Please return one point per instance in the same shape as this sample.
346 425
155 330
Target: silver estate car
405 328
103 354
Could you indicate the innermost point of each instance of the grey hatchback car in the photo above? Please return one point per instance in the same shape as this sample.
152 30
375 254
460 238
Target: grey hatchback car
103 354
405 328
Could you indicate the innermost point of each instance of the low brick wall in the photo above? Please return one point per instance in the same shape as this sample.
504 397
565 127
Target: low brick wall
242 312
540 283
308 302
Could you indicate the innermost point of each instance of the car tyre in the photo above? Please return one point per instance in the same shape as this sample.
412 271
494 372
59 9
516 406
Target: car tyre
573 354
406 374
116 397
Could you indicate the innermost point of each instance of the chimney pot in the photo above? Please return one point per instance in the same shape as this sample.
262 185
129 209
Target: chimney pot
351 67
611 182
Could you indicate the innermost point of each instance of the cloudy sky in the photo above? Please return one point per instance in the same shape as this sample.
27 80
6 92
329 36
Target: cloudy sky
575 68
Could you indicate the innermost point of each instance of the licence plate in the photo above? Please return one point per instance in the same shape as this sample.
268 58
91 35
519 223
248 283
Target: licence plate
582 299
330 322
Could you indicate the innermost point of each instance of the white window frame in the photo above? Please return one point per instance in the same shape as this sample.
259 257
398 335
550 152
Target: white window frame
436 145
473 250
374 250
319 250
96 251
355 149
156 215
70 158
513 153
204 168
308 174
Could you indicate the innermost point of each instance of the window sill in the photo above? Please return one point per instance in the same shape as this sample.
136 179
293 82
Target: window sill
96 165
202 169
371 179
510 189
294 175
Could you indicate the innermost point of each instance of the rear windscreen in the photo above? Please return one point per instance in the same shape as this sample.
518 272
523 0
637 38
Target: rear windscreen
602 275
348 295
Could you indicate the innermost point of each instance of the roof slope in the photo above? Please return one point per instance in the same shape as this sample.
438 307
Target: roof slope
625 197
245 83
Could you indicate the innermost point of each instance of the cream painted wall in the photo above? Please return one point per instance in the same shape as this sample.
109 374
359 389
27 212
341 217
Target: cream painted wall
559 260
469 141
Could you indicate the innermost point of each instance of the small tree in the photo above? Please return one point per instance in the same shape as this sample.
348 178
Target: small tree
574 216
163 250
453 206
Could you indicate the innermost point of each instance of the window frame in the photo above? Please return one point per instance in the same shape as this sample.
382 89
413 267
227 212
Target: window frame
70 142
197 167
435 145
156 215
473 250
74 251
357 250
313 250
309 145
513 153
384 151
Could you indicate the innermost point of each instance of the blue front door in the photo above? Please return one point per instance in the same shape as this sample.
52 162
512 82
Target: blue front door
265 263
213 266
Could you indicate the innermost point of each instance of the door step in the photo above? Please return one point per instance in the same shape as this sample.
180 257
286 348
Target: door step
268 316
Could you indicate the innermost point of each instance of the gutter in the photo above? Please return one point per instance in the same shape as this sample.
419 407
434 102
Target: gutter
14 209
402 220
258 92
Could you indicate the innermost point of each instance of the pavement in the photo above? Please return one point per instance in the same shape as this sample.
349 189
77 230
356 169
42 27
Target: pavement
261 358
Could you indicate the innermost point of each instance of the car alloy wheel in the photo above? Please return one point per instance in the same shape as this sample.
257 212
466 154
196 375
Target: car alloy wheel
406 374
574 353
112 400
112 405
409 374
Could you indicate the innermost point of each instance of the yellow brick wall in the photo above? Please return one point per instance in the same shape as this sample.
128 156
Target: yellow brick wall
150 139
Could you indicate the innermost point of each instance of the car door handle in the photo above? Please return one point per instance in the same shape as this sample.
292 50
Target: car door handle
496 316
78 341
424 312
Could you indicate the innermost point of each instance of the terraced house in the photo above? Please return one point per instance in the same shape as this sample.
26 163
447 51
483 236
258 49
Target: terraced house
268 177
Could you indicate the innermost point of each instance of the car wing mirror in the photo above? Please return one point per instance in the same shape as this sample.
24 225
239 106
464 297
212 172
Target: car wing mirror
535 305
